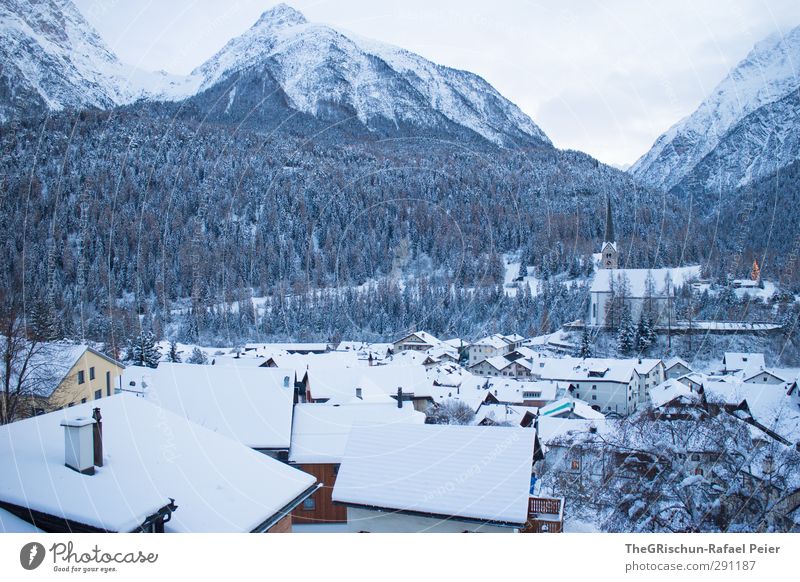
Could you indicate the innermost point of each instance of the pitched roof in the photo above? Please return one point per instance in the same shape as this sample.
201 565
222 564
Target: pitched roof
422 335
338 383
251 405
588 369
669 390
565 406
440 470
320 431
151 455
743 361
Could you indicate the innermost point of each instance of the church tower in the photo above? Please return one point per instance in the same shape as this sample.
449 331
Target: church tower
609 255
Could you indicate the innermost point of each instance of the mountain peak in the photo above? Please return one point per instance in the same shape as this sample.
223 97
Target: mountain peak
279 17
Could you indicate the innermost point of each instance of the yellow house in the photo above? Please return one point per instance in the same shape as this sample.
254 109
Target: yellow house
82 374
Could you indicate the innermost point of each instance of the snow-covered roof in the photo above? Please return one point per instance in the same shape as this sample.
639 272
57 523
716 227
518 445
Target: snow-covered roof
588 369
769 405
505 413
496 362
551 428
251 405
151 455
338 383
567 406
439 469
676 361
320 431
423 336
637 279
669 390
735 361
495 341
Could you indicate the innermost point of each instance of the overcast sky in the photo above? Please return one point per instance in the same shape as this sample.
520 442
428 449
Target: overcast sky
604 77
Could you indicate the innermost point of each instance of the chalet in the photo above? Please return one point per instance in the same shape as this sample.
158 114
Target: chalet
61 375
152 471
764 377
419 341
436 478
252 406
319 438
493 345
676 367
640 290
674 400
502 366
733 362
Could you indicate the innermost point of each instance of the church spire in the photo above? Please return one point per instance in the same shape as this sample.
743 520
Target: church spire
609 222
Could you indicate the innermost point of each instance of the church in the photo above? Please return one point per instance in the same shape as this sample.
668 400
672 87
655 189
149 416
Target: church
650 291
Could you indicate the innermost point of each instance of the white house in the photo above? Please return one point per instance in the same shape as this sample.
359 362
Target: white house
676 367
607 385
436 478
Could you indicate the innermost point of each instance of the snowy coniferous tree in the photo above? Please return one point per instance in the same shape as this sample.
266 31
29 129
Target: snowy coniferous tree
173 355
644 334
586 344
626 334
197 357
144 351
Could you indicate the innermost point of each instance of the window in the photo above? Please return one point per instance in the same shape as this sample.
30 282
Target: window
83 400
81 377
594 386
98 394
698 471
695 457
71 404
576 465
91 373
594 396
309 503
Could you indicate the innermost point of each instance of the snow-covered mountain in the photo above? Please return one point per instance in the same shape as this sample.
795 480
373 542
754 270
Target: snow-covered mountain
52 59
745 130
334 75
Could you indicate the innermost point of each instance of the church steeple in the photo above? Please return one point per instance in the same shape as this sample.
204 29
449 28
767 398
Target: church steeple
609 256
609 238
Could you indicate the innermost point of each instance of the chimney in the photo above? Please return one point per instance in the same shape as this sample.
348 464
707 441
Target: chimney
97 435
399 397
78 448
370 359
358 393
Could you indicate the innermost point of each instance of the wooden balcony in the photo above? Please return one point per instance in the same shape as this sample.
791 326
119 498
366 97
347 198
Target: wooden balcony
545 515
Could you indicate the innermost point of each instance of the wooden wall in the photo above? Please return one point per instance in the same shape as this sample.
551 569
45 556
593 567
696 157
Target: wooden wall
325 511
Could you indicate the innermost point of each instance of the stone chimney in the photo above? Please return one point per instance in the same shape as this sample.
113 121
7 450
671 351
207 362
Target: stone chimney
399 397
78 444
358 394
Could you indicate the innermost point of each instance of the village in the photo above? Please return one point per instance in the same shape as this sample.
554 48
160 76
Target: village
499 434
